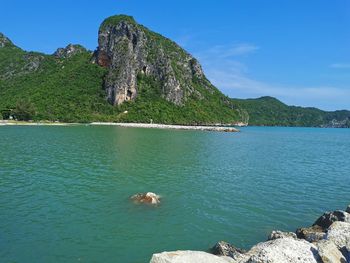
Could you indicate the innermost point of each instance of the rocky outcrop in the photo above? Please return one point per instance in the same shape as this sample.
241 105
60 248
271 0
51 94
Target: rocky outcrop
69 51
327 219
311 234
328 241
131 51
146 198
279 234
283 250
223 248
339 234
4 41
329 253
188 256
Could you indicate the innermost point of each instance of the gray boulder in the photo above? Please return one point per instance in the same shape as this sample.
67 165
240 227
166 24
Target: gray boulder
284 250
348 209
329 253
311 234
279 234
327 219
182 256
339 234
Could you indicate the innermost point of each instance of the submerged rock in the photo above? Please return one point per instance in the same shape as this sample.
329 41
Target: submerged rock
311 234
147 198
182 256
223 248
279 234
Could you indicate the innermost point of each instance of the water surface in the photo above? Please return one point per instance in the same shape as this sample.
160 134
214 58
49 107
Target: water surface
64 190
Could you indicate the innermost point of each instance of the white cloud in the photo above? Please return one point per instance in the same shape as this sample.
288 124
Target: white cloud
223 68
340 65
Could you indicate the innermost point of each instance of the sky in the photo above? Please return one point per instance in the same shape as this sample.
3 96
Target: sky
295 50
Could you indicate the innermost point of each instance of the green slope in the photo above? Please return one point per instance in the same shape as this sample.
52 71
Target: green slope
268 111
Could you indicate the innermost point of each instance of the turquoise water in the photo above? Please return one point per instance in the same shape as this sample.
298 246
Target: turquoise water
64 190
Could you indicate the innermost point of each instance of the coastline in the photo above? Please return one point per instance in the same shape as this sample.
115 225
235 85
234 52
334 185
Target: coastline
166 126
126 125
327 240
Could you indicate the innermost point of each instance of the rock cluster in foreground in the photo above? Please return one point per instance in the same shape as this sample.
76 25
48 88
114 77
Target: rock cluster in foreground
326 241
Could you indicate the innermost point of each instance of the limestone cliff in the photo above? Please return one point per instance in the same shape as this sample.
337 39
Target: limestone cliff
128 49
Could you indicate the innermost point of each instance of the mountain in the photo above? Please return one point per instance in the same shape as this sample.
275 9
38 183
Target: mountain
135 75
268 111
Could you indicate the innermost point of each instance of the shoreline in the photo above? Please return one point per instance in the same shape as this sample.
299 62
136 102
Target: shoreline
326 240
126 125
168 126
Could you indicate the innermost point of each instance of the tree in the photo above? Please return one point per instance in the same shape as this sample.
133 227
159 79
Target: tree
24 110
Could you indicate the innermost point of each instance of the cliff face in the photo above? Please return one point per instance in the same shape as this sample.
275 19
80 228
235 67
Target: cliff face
129 50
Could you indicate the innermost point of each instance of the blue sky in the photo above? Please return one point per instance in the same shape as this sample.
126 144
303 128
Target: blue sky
296 50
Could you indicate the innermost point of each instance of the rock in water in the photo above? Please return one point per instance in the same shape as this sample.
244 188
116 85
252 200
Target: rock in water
189 257
284 250
327 219
348 209
146 198
311 234
130 51
279 234
223 248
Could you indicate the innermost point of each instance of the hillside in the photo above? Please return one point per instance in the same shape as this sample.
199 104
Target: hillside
268 111
135 75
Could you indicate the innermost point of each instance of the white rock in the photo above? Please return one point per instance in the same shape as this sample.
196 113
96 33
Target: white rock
329 252
188 256
339 233
283 250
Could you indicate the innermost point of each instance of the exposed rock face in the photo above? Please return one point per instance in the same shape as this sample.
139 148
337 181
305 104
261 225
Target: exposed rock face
311 234
284 250
130 50
329 253
4 41
282 247
339 234
188 256
328 218
348 209
69 51
146 198
279 234
223 248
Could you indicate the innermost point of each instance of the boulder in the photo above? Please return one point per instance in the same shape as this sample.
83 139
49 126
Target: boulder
284 250
279 234
348 209
223 248
339 234
329 253
327 219
311 234
182 256
146 198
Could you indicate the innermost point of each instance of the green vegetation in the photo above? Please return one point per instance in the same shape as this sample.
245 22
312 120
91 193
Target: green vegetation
115 20
70 90
268 111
